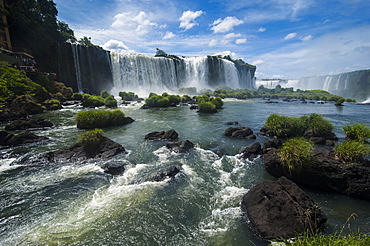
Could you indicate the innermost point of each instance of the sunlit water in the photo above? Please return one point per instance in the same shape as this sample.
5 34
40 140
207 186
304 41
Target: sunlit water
78 204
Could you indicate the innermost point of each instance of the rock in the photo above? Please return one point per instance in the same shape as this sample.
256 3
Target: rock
168 135
106 149
193 107
27 104
180 146
239 132
252 151
114 167
128 120
318 140
169 173
327 173
24 137
232 123
28 123
280 209
274 143
4 137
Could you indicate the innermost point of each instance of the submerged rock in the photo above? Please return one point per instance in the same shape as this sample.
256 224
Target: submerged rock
28 123
252 151
24 137
168 135
180 146
106 149
280 209
169 173
239 132
114 167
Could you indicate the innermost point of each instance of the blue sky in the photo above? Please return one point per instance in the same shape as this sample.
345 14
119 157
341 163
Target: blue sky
283 38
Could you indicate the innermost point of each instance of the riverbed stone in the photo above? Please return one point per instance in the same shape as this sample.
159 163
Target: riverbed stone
239 132
163 135
180 146
28 124
280 209
252 151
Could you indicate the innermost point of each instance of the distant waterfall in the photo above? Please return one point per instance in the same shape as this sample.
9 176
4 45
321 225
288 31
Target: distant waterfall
141 73
354 84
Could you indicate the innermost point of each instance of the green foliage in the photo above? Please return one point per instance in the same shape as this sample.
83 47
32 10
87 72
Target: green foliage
185 98
14 82
340 101
337 239
110 102
91 139
286 126
174 99
47 83
86 41
296 154
352 151
92 101
319 125
206 107
99 119
104 94
357 131
164 100
77 96
217 101
128 96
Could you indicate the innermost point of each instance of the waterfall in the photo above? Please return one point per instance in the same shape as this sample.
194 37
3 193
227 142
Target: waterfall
327 83
77 67
144 74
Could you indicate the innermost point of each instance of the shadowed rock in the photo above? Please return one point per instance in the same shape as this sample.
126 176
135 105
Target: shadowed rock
168 135
280 209
180 146
28 123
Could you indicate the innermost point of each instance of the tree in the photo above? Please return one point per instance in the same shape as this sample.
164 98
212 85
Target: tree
86 41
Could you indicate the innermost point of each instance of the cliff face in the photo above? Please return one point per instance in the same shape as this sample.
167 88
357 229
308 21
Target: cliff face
85 69
354 84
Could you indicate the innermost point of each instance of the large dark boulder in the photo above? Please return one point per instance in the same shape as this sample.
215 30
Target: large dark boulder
239 132
180 146
251 151
168 135
24 137
4 137
106 149
28 124
114 167
326 173
280 209
28 104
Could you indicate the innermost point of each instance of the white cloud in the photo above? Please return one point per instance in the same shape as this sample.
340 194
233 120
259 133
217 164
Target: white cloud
140 23
225 25
241 41
261 29
257 62
227 53
290 36
116 46
188 17
306 38
212 43
169 35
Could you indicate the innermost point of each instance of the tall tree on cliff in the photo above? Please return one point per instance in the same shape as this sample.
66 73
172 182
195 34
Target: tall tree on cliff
33 25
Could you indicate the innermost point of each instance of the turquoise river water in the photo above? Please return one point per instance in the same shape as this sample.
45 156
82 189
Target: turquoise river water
73 203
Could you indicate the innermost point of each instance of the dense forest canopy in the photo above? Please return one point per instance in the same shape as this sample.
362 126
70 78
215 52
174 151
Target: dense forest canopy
33 25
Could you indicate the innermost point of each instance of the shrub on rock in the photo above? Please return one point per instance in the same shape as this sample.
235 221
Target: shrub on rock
92 101
110 102
91 139
352 151
358 132
296 154
100 118
207 107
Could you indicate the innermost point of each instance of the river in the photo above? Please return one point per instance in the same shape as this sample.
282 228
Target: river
73 203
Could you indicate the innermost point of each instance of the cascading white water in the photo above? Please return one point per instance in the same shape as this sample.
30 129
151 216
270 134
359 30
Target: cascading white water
77 67
231 74
144 74
327 82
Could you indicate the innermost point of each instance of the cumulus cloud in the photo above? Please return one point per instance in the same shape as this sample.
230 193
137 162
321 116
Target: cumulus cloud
257 62
140 22
117 46
261 29
225 25
306 38
212 43
290 36
227 53
188 19
241 41
169 35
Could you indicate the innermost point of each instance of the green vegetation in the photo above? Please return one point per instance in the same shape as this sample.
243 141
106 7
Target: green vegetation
165 100
340 101
14 82
104 94
352 151
278 92
357 131
99 119
91 139
288 127
296 154
206 107
110 102
92 101
128 96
